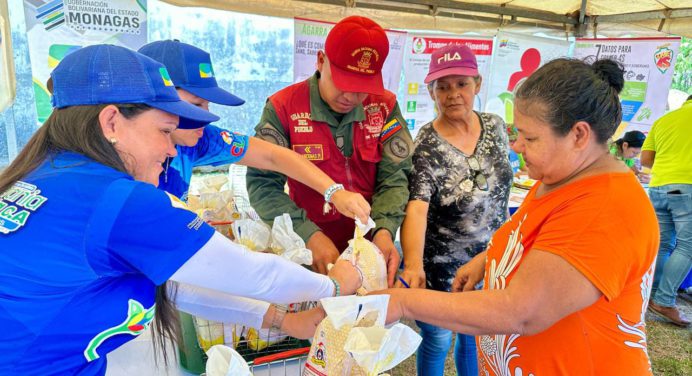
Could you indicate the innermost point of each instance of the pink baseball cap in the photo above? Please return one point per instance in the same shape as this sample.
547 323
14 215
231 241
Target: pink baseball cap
452 59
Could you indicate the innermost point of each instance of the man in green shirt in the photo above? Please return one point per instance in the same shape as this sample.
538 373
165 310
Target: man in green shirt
668 150
343 120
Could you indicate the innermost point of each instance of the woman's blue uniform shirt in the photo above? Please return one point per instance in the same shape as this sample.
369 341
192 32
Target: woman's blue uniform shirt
82 248
216 147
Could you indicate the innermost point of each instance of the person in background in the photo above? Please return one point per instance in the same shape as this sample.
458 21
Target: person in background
88 242
566 280
345 122
668 151
627 148
516 160
459 188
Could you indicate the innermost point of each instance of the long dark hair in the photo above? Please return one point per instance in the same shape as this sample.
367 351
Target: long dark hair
568 90
77 129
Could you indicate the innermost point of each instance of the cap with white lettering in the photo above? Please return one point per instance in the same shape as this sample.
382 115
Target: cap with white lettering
452 59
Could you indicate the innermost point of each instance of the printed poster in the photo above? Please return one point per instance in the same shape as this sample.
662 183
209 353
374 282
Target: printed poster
514 59
6 72
56 28
649 64
310 35
416 105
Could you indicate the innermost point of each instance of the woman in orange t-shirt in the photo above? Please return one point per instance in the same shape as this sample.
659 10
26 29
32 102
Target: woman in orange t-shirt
567 278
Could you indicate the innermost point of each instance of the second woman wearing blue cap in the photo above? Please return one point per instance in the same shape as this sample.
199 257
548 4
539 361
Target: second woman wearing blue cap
200 144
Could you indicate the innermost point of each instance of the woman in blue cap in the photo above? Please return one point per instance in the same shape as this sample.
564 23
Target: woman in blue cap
88 242
200 144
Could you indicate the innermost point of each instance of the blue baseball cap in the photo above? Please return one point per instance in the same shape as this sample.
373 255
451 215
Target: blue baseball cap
190 69
105 74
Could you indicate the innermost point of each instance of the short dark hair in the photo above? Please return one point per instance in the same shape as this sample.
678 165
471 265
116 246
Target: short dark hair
569 90
634 139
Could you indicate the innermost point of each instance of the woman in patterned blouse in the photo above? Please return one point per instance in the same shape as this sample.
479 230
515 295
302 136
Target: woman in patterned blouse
459 188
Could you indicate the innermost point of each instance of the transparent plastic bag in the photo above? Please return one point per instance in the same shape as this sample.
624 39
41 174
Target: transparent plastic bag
288 244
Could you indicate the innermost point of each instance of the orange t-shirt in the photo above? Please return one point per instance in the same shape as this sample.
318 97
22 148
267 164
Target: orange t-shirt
605 227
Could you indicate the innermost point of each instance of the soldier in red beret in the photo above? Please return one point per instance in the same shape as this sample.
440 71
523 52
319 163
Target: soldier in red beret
343 120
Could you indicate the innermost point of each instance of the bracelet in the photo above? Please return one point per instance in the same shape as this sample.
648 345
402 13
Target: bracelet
278 318
331 190
337 287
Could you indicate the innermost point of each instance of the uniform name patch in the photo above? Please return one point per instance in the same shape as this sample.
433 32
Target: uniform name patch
389 130
310 152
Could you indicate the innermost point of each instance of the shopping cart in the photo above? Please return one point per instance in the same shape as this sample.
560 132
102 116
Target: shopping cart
268 352
287 363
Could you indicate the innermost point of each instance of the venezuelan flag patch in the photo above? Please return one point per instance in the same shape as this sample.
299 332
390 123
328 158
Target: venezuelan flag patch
389 130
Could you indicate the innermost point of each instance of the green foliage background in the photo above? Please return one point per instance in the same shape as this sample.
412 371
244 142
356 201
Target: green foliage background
682 77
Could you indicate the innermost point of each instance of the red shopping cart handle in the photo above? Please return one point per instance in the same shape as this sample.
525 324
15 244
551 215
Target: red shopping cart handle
220 223
280 356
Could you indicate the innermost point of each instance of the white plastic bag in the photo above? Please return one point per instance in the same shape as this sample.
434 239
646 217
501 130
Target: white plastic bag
368 258
255 235
287 243
327 355
224 361
377 349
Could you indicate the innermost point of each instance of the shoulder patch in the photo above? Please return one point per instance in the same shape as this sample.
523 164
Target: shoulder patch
270 134
238 142
390 129
399 147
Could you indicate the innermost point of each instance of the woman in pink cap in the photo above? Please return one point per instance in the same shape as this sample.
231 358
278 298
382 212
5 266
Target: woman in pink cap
459 187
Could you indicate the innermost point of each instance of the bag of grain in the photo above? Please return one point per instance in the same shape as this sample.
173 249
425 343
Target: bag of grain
327 355
368 258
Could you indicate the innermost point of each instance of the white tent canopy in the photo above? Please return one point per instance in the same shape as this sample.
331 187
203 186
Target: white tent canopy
574 17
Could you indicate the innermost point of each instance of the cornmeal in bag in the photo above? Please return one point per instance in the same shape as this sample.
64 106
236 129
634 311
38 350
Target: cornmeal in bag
327 355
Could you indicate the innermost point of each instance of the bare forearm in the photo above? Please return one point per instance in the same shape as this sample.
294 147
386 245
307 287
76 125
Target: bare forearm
473 312
413 240
276 158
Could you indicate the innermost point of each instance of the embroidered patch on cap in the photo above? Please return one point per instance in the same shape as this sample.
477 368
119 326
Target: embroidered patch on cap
205 70
166 78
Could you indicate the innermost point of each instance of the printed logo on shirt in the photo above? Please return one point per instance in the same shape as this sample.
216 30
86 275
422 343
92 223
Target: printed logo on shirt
310 152
390 130
205 70
176 202
17 204
300 115
237 143
136 322
302 127
376 121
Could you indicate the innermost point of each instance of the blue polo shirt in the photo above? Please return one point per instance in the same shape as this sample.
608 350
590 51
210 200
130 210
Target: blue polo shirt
83 247
216 147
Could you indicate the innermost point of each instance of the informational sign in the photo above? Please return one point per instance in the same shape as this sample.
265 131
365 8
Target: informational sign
417 105
648 63
515 57
56 28
310 36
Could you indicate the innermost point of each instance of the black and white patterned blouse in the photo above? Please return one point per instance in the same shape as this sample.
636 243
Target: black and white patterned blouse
467 195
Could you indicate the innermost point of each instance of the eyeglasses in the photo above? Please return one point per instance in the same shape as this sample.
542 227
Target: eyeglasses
479 178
